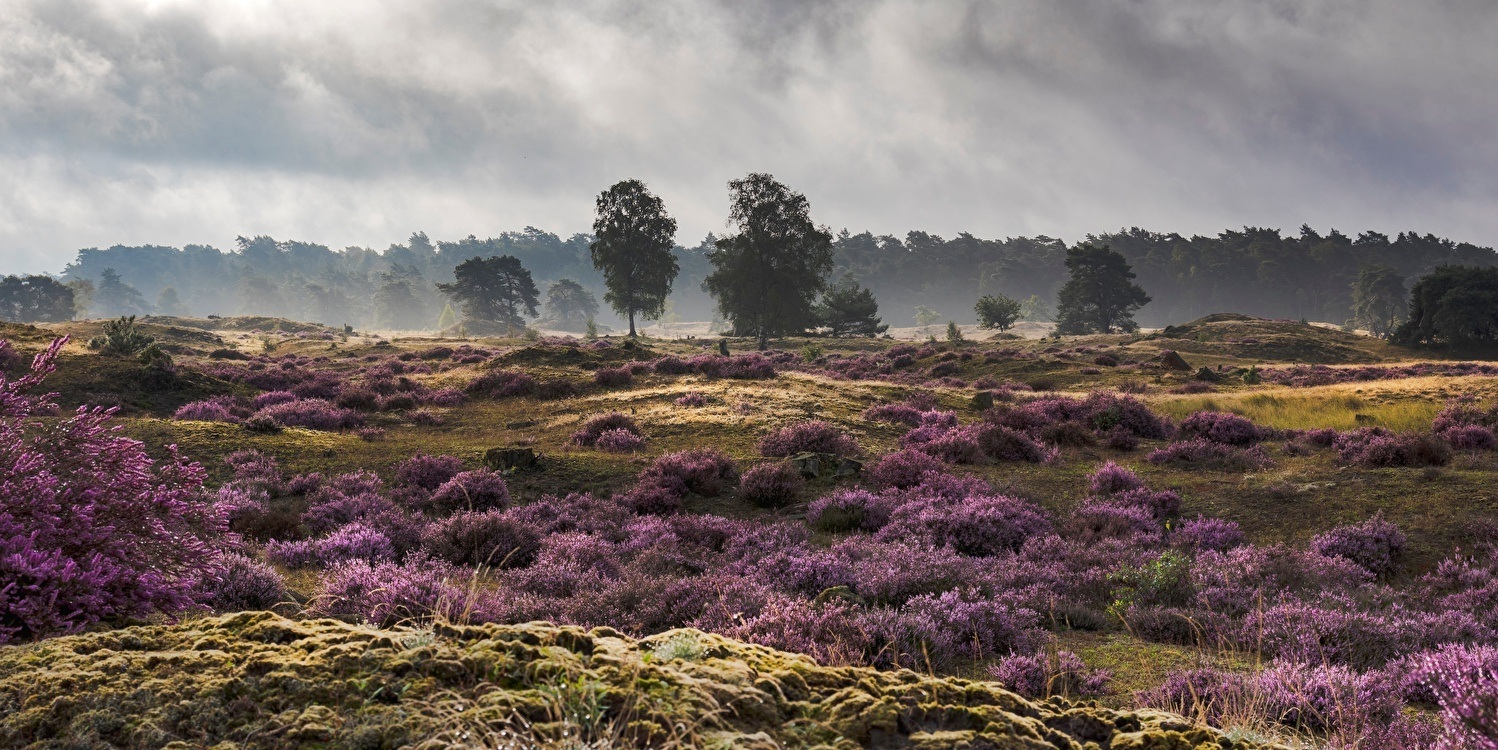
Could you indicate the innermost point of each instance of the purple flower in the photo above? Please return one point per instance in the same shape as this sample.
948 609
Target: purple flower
814 436
771 485
598 424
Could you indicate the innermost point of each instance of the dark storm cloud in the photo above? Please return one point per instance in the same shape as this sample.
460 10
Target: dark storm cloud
343 122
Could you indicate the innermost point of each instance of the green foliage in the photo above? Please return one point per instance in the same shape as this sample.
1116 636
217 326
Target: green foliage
591 333
1453 306
494 290
811 352
35 299
121 337
847 309
767 275
155 358
397 303
447 319
168 303
1033 308
1101 295
569 305
1163 582
1379 299
953 332
114 297
632 249
997 311
925 316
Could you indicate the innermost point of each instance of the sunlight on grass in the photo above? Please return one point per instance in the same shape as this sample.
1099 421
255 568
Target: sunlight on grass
1397 405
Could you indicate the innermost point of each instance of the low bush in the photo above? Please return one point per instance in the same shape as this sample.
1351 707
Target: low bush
482 538
771 485
597 425
814 436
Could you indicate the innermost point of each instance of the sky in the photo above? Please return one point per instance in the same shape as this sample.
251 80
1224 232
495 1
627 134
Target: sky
356 123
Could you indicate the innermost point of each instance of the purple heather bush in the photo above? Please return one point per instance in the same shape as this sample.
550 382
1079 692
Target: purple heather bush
92 528
978 526
1377 447
691 399
619 440
894 414
1211 455
482 538
239 583
1471 437
271 398
1222 427
814 436
386 594
1002 443
902 469
352 542
1043 674
314 414
428 473
1203 534
706 472
613 377
598 424
217 409
850 510
1374 545
771 485
502 384
1112 479
479 489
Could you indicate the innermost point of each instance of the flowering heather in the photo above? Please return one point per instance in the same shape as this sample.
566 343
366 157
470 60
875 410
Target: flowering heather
239 583
1471 437
426 418
352 542
427 472
691 399
613 377
444 397
1375 446
1202 534
488 538
814 436
479 489
706 472
1096 519
850 510
314 414
502 384
619 440
954 445
978 526
1302 376
1001 443
893 414
1207 454
598 424
209 410
271 398
1375 544
771 485
901 469
1043 674
91 527
1111 479
1464 682
387 593
1222 427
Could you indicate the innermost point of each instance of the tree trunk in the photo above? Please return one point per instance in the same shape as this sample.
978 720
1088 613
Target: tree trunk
632 324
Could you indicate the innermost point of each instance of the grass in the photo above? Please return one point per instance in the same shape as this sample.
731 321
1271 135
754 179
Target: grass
1399 405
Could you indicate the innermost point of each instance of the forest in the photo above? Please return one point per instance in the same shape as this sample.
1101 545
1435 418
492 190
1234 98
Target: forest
1256 271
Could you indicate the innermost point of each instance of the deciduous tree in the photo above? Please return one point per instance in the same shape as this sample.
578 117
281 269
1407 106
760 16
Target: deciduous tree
632 249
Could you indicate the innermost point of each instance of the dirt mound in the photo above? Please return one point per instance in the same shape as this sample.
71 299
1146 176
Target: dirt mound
258 680
241 323
1249 338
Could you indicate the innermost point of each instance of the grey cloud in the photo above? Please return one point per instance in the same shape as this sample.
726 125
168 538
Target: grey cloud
355 123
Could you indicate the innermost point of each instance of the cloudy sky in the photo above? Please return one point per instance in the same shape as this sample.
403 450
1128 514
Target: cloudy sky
355 123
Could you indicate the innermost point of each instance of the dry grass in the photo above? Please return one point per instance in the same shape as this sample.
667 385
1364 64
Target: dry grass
1400 405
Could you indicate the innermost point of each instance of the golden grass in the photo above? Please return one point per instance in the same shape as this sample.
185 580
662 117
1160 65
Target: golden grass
1400 405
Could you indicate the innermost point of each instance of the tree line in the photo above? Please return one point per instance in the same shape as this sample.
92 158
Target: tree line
775 272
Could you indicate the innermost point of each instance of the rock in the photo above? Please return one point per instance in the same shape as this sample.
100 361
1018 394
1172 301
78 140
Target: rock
511 459
848 467
814 465
1207 374
983 400
1172 360
723 347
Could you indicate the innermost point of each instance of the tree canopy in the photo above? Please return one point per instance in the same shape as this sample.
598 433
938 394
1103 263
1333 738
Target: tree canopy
634 237
569 306
766 276
1453 306
848 309
494 290
1101 295
997 311
35 299
1379 299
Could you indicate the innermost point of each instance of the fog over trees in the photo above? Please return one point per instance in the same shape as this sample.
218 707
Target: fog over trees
1257 271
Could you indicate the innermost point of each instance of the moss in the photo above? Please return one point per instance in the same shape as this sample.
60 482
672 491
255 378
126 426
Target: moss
256 679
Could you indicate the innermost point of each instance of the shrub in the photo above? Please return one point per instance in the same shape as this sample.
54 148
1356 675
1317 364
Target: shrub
1375 446
314 414
271 398
978 526
1203 534
705 472
613 377
1112 479
619 440
903 469
1221 427
240 583
1464 682
771 485
1120 439
480 489
427 472
849 510
359 397
1207 454
486 538
1001 443
91 527
426 418
1471 437
1375 544
121 337
502 384
209 410
691 399
386 594
894 414
1044 674
352 542
814 436
598 424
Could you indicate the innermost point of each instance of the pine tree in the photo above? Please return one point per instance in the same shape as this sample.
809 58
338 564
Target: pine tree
1101 295
494 290
847 309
